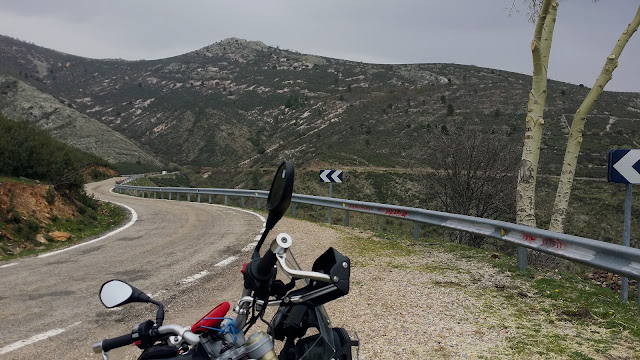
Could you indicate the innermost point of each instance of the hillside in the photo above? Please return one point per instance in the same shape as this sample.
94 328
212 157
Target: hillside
243 103
41 190
25 102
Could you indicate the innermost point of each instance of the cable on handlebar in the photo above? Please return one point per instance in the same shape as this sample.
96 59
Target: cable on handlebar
229 328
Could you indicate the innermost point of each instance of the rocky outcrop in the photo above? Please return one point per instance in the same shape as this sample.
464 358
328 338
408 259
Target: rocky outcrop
20 101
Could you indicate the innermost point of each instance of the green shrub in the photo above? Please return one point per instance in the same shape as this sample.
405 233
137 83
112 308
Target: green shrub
33 225
14 217
50 195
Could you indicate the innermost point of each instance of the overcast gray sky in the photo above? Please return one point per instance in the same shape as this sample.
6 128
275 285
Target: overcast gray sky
475 32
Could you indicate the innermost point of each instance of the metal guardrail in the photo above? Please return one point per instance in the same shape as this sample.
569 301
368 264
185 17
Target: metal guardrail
615 258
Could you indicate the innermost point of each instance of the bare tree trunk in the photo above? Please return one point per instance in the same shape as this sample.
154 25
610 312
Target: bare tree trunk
540 49
577 127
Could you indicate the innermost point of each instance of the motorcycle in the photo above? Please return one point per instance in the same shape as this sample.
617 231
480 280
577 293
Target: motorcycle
300 304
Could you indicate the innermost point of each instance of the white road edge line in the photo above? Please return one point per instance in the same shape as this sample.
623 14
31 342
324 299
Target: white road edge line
134 218
35 338
227 261
195 277
250 246
7 265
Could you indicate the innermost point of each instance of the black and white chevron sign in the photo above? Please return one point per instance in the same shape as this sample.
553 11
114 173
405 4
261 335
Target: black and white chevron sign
330 176
624 166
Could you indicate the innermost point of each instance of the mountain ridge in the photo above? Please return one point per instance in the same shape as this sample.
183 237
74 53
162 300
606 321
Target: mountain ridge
243 103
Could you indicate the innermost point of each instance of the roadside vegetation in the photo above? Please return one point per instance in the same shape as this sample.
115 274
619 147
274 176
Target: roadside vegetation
43 204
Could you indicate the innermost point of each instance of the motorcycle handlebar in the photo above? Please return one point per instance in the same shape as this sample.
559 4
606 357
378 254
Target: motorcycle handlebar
116 342
120 341
264 266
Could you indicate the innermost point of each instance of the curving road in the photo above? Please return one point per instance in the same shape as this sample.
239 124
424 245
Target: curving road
49 306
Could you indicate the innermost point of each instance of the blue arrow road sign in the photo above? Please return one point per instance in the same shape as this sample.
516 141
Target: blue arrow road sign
330 176
624 166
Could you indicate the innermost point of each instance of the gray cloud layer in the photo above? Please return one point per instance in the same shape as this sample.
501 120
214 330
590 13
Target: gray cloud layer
476 32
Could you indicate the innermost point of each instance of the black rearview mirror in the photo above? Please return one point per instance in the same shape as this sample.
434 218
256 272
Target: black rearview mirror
278 201
114 293
280 194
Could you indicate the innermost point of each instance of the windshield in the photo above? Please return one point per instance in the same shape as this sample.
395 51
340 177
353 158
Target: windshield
316 347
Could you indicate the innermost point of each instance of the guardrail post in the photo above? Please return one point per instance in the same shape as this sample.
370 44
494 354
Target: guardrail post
210 199
169 195
346 218
522 258
330 195
188 197
155 194
242 201
626 241
226 199
294 213
198 197
416 231
161 194
258 200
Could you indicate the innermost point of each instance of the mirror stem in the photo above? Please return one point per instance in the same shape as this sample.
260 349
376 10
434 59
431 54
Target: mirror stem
160 313
256 251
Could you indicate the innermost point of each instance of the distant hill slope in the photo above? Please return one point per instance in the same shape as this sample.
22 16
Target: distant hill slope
242 103
20 101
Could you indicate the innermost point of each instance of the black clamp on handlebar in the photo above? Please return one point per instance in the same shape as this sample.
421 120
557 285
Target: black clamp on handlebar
260 273
145 334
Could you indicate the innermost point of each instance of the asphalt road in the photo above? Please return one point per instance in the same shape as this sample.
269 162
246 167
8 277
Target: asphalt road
49 306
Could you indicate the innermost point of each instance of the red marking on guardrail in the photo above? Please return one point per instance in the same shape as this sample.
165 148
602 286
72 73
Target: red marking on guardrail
554 243
361 207
528 237
382 211
401 213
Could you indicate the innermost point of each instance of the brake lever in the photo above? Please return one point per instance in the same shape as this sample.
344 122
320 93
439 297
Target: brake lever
302 274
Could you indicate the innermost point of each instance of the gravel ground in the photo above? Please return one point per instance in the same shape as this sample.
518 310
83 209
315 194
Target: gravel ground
418 302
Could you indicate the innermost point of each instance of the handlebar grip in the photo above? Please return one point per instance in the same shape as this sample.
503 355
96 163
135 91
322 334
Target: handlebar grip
116 342
264 266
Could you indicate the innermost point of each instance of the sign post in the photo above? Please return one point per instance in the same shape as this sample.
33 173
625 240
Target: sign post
330 176
624 168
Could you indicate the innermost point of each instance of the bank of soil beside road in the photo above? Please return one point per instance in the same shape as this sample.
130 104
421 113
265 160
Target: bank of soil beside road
34 218
417 301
